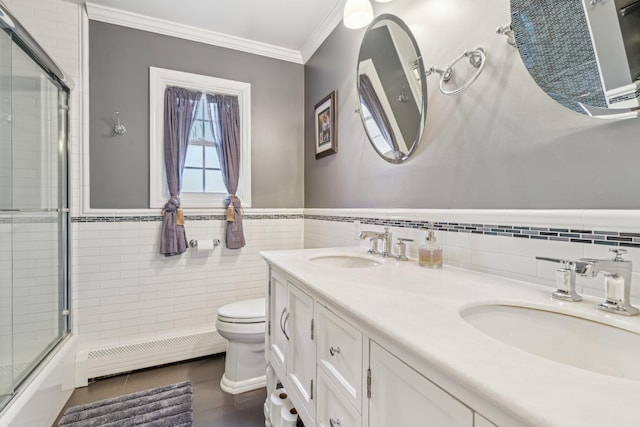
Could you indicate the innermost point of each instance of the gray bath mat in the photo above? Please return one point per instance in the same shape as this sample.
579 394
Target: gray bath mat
166 406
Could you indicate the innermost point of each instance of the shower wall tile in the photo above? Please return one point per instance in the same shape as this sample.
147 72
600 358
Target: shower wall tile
125 291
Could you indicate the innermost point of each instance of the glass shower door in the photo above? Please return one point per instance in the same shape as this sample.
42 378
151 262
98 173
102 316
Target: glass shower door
37 199
33 215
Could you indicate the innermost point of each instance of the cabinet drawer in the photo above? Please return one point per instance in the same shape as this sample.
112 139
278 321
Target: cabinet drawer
339 353
333 409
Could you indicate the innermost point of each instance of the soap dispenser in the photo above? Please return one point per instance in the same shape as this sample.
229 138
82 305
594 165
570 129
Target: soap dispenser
430 254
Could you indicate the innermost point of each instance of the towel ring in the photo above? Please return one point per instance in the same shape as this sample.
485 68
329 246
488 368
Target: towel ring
477 59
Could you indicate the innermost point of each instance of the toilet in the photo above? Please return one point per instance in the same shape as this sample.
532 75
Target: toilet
242 324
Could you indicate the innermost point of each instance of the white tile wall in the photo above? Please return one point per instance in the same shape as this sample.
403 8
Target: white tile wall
503 256
125 291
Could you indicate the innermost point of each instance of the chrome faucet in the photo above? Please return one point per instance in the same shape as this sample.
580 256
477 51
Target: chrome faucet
373 237
386 237
617 275
617 282
387 241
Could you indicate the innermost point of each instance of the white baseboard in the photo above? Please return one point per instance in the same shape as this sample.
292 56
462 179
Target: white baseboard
94 363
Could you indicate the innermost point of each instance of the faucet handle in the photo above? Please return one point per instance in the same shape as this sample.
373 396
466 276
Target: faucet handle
618 254
402 248
566 285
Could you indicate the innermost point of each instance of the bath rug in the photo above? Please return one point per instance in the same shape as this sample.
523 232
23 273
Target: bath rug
166 406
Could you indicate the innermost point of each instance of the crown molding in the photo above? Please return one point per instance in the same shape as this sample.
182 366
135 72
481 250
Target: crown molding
160 26
322 31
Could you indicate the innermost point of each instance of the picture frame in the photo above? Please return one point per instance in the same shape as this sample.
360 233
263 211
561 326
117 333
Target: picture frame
326 126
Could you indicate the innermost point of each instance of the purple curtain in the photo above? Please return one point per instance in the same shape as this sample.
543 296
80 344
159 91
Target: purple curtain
179 112
229 153
369 97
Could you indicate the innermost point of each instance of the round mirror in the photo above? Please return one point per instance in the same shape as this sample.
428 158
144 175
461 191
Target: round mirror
392 89
583 54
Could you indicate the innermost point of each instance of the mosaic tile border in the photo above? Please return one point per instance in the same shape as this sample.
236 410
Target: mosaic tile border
158 218
18 219
594 237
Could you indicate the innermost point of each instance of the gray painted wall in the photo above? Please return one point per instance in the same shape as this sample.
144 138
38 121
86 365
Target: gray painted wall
503 143
119 61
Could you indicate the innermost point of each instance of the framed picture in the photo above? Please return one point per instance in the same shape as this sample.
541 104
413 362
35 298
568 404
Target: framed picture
326 126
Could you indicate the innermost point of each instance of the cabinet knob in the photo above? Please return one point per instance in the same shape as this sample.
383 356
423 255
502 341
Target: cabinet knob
334 422
333 351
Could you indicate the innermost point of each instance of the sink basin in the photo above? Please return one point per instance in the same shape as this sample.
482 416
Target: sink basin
574 341
345 261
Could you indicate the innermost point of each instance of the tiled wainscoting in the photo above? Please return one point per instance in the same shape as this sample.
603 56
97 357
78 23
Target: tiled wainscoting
125 292
499 242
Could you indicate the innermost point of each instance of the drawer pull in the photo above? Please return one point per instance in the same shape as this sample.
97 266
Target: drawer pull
333 351
334 422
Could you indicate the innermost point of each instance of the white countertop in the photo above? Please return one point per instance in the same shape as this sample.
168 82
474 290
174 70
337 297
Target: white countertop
417 309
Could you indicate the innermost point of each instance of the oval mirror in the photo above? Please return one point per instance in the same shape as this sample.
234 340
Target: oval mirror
585 54
391 88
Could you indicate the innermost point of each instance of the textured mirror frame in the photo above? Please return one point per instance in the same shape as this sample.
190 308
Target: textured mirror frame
573 62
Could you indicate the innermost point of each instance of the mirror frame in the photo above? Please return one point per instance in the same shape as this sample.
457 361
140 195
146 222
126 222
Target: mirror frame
554 50
423 87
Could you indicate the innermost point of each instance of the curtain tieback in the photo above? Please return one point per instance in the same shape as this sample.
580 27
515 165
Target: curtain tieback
173 205
231 212
179 216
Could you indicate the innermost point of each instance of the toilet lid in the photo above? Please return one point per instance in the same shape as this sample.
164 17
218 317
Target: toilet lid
245 311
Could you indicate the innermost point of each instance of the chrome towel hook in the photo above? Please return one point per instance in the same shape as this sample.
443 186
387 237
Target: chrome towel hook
477 59
507 30
119 129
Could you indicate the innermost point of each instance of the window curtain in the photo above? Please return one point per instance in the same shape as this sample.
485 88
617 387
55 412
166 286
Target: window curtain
228 148
369 97
179 112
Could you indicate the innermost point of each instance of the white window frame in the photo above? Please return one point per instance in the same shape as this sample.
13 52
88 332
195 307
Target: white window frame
159 79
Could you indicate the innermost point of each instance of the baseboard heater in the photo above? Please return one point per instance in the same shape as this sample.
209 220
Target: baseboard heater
95 363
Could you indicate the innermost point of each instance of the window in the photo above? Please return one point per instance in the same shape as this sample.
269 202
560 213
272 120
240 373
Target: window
202 165
202 186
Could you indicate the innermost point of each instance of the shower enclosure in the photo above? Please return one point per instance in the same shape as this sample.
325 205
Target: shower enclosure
34 214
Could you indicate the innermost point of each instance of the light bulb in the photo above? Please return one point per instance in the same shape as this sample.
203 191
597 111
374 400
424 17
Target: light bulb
357 14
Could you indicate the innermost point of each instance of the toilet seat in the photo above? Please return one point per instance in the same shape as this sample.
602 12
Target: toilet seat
245 311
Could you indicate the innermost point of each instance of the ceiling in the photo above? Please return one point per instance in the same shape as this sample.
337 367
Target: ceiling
298 26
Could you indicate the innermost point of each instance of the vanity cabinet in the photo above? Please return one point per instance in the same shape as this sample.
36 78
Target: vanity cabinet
337 376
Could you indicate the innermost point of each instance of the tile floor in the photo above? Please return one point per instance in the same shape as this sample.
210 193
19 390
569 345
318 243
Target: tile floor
211 406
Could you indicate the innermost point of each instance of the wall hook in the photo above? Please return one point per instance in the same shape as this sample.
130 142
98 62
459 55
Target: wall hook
507 30
119 129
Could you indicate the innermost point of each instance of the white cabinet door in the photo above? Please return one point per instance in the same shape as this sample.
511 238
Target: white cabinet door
278 313
301 355
401 396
